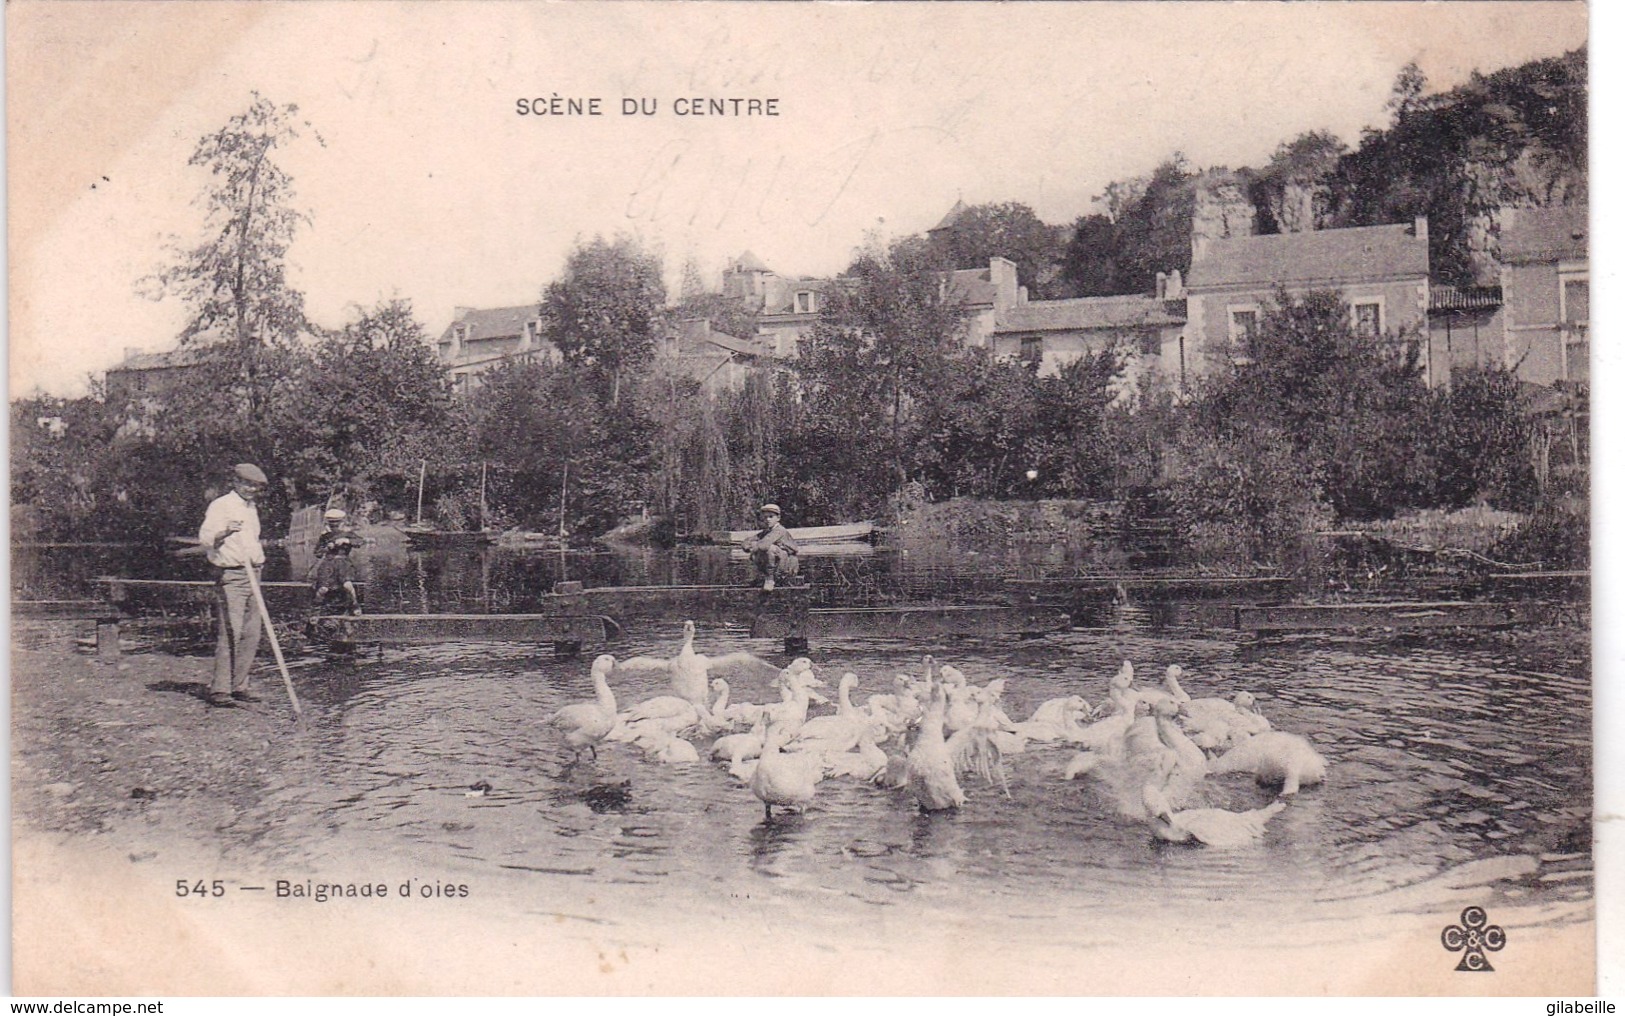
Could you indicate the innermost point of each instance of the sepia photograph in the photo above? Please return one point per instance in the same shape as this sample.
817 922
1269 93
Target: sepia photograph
748 499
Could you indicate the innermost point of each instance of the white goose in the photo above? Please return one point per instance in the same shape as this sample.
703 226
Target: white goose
838 732
931 775
786 780
798 692
690 672
1214 827
584 724
1274 757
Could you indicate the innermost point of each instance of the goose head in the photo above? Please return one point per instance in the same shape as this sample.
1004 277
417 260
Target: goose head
1124 676
953 675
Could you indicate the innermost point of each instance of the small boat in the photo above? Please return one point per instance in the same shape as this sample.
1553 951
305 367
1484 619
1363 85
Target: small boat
422 534
806 536
821 550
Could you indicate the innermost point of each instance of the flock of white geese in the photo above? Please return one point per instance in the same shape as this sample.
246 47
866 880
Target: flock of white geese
1149 747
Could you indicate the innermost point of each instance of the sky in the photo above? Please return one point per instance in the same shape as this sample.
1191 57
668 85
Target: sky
433 187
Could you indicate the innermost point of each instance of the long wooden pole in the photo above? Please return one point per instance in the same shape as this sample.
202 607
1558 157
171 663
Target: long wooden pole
270 630
423 474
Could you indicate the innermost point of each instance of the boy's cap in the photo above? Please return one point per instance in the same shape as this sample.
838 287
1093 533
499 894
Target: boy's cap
334 514
250 472
773 508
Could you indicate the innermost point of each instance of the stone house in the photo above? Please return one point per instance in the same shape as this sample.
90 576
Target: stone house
786 307
478 340
1546 285
718 361
1380 271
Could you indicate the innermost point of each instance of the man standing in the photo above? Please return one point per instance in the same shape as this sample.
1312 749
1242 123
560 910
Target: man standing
230 536
774 550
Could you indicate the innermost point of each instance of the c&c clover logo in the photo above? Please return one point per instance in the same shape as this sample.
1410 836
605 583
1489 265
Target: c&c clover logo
1472 937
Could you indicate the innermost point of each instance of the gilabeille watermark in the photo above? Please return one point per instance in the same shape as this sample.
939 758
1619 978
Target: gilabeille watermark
1564 1006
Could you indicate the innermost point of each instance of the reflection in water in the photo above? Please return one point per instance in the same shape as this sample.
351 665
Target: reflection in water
1454 760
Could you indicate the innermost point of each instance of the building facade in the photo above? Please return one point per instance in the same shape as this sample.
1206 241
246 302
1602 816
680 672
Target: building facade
1381 272
479 340
1546 285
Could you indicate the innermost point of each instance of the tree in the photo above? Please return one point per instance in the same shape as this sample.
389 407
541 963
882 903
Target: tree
235 280
605 313
1089 265
1154 234
373 398
1008 230
879 348
1354 404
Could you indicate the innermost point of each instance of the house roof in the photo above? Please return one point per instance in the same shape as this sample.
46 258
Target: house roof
749 262
188 356
787 306
1546 234
1463 297
1090 313
1359 254
951 219
971 286
205 346
494 323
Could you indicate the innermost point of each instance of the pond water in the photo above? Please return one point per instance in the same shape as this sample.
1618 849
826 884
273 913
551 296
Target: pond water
1457 763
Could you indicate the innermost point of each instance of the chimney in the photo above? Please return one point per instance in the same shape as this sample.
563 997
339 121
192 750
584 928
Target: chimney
458 313
1002 273
131 352
1421 228
1176 286
1162 285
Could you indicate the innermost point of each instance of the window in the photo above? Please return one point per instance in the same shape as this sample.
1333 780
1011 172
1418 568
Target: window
1367 317
1032 348
804 302
1243 328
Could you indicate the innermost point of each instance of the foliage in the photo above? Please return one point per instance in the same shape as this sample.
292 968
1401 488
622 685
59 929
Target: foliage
1089 264
879 349
550 442
1154 233
1008 230
1242 494
605 313
1351 404
1516 137
372 399
235 280
1481 436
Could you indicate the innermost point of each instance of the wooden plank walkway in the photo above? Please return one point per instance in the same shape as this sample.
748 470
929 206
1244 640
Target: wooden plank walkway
566 632
1103 588
1317 617
911 621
